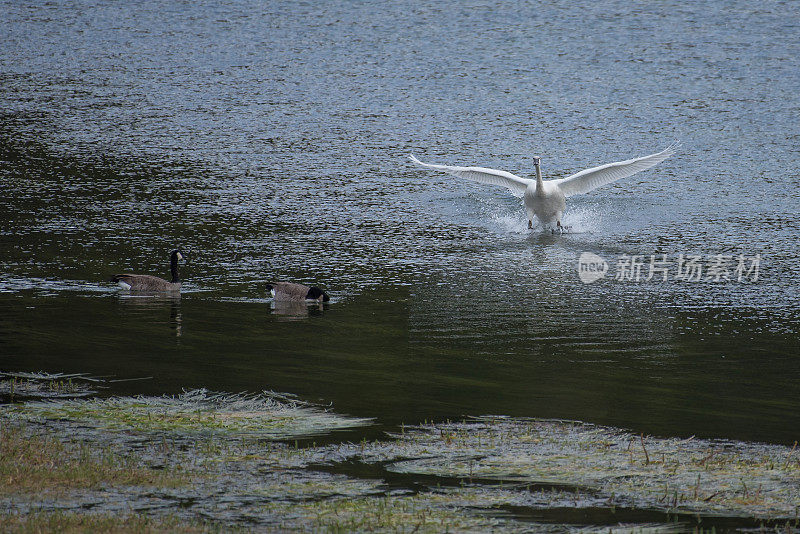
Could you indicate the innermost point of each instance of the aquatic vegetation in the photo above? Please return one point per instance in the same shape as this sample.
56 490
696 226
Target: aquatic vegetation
440 509
300 486
268 414
237 460
23 385
428 512
692 475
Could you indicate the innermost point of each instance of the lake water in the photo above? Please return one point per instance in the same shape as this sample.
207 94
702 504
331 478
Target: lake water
270 141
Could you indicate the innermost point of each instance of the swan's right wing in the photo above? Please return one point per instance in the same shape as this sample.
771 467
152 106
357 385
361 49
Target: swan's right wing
589 179
483 175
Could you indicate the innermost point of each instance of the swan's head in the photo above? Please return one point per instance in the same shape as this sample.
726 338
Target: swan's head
315 293
536 160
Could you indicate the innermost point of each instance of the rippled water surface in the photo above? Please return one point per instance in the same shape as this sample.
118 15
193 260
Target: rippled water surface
270 140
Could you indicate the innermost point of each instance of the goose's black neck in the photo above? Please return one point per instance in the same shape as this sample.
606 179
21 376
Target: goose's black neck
174 267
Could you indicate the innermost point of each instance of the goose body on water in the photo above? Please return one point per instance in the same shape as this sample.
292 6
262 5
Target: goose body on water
148 283
289 291
546 200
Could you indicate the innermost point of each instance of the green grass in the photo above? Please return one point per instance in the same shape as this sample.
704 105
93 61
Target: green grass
35 464
71 522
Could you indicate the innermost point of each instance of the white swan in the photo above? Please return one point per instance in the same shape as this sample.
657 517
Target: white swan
546 200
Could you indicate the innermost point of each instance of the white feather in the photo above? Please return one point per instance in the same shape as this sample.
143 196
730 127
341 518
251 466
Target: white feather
513 182
590 179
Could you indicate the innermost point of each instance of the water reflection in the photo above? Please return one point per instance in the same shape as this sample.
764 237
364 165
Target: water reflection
147 307
291 310
408 357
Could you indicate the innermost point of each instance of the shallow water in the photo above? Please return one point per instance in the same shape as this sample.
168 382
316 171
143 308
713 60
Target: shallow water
270 142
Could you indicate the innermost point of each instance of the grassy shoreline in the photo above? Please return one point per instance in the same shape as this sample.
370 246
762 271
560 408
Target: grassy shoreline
205 462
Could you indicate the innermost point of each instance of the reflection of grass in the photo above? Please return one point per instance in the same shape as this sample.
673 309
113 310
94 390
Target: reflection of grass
70 522
36 464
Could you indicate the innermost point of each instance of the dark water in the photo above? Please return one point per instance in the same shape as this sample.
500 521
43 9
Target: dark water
270 140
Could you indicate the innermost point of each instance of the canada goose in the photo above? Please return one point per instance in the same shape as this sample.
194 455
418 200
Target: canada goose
546 200
296 292
145 282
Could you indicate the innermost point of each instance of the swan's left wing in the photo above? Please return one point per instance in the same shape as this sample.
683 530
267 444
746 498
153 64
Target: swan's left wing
513 182
590 179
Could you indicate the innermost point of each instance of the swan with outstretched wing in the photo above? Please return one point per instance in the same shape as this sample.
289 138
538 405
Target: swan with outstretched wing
546 200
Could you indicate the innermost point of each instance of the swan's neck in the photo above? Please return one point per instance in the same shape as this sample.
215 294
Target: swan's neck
539 182
174 268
